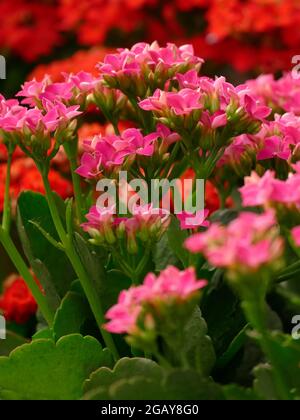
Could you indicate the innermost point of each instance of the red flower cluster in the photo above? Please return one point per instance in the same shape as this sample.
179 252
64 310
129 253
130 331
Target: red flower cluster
17 303
29 28
82 60
249 34
25 176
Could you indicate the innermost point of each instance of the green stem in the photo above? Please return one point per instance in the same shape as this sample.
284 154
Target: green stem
93 298
23 270
7 202
256 313
71 152
288 271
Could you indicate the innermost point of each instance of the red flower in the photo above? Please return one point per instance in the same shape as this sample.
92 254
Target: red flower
23 21
17 302
25 176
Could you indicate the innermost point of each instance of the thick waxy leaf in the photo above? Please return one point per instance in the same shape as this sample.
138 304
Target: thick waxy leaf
11 341
71 315
143 379
49 263
44 370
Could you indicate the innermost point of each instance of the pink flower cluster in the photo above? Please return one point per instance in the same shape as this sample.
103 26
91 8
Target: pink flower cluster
268 190
108 152
104 226
246 244
135 70
210 103
150 56
24 121
283 95
73 90
279 139
171 286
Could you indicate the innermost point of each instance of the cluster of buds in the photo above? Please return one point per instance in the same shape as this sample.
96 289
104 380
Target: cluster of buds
158 309
142 69
111 102
145 226
239 157
247 247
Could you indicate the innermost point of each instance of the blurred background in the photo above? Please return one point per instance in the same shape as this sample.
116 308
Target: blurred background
238 38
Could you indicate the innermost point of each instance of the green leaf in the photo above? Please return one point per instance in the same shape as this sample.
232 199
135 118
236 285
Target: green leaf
176 239
190 385
114 283
143 379
10 343
234 347
285 356
225 319
43 333
198 346
50 265
92 259
98 385
178 385
224 216
264 384
163 255
238 393
71 315
44 370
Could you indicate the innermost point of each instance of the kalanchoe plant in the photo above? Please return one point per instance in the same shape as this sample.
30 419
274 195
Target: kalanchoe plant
131 293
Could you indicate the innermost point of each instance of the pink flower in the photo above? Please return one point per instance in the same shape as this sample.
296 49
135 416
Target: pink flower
172 284
107 152
136 143
188 80
157 102
181 103
89 165
269 190
254 109
166 135
11 114
101 153
296 235
274 146
239 147
32 90
142 55
216 120
247 243
261 191
58 115
83 81
283 95
124 315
